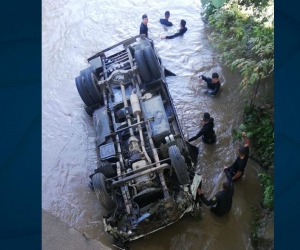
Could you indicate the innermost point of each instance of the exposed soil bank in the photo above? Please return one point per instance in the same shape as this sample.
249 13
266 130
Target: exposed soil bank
57 235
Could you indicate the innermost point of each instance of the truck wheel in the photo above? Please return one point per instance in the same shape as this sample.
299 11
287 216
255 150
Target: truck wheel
152 62
179 165
90 109
91 81
108 170
142 65
83 92
106 201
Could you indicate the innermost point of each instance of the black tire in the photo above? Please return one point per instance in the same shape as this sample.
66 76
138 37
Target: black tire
106 201
108 170
90 109
152 62
87 70
142 65
179 165
83 92
91 81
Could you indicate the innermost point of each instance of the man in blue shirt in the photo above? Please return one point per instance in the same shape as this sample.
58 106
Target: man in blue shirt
165 21
213 83
144 27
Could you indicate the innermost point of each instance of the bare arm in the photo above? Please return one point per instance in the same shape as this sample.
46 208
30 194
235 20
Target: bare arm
237 175
246 139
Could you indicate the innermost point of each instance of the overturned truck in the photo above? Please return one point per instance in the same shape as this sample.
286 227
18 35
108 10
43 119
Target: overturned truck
146 176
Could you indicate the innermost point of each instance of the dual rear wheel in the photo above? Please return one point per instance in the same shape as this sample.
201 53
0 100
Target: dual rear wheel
147 63
87 87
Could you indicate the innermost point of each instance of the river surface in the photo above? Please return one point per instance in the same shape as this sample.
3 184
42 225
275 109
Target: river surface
74 30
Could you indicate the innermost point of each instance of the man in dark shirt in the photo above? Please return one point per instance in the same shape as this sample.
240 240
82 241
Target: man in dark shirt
144 27
165 21
213 83
236 170
207 132
222 201
180 32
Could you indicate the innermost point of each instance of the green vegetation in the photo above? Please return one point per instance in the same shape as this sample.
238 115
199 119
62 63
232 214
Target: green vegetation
267 181
255 227
259 127
247 3
216 3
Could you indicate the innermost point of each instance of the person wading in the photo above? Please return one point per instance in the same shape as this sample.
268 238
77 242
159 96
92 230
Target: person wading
221 202
165 21
144 27
236 170
180 32
213 83
207 132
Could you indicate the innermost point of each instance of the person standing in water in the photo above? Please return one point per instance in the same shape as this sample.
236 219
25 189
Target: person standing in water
213 83
144 27
165 21
180 32
236 170
207 132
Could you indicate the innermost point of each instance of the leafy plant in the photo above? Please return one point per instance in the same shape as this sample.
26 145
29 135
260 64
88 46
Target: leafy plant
267 181
246 3
255 226
255 3
259 123
207 10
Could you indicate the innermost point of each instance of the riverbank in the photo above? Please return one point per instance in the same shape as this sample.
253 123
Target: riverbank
57 235
264 230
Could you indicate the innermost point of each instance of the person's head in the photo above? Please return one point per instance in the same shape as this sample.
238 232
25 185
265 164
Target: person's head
182 23
145 19
226 185
167 14
215 77
206 117
241 150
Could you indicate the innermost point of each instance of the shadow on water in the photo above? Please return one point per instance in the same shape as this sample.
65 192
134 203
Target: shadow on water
73 31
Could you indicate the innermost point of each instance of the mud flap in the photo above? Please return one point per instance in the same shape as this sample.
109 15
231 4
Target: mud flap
196 184
193 151
169 73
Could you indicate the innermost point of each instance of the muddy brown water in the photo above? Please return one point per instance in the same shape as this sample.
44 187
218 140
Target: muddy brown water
74 30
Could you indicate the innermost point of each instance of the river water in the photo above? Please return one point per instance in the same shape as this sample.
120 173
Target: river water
74 30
